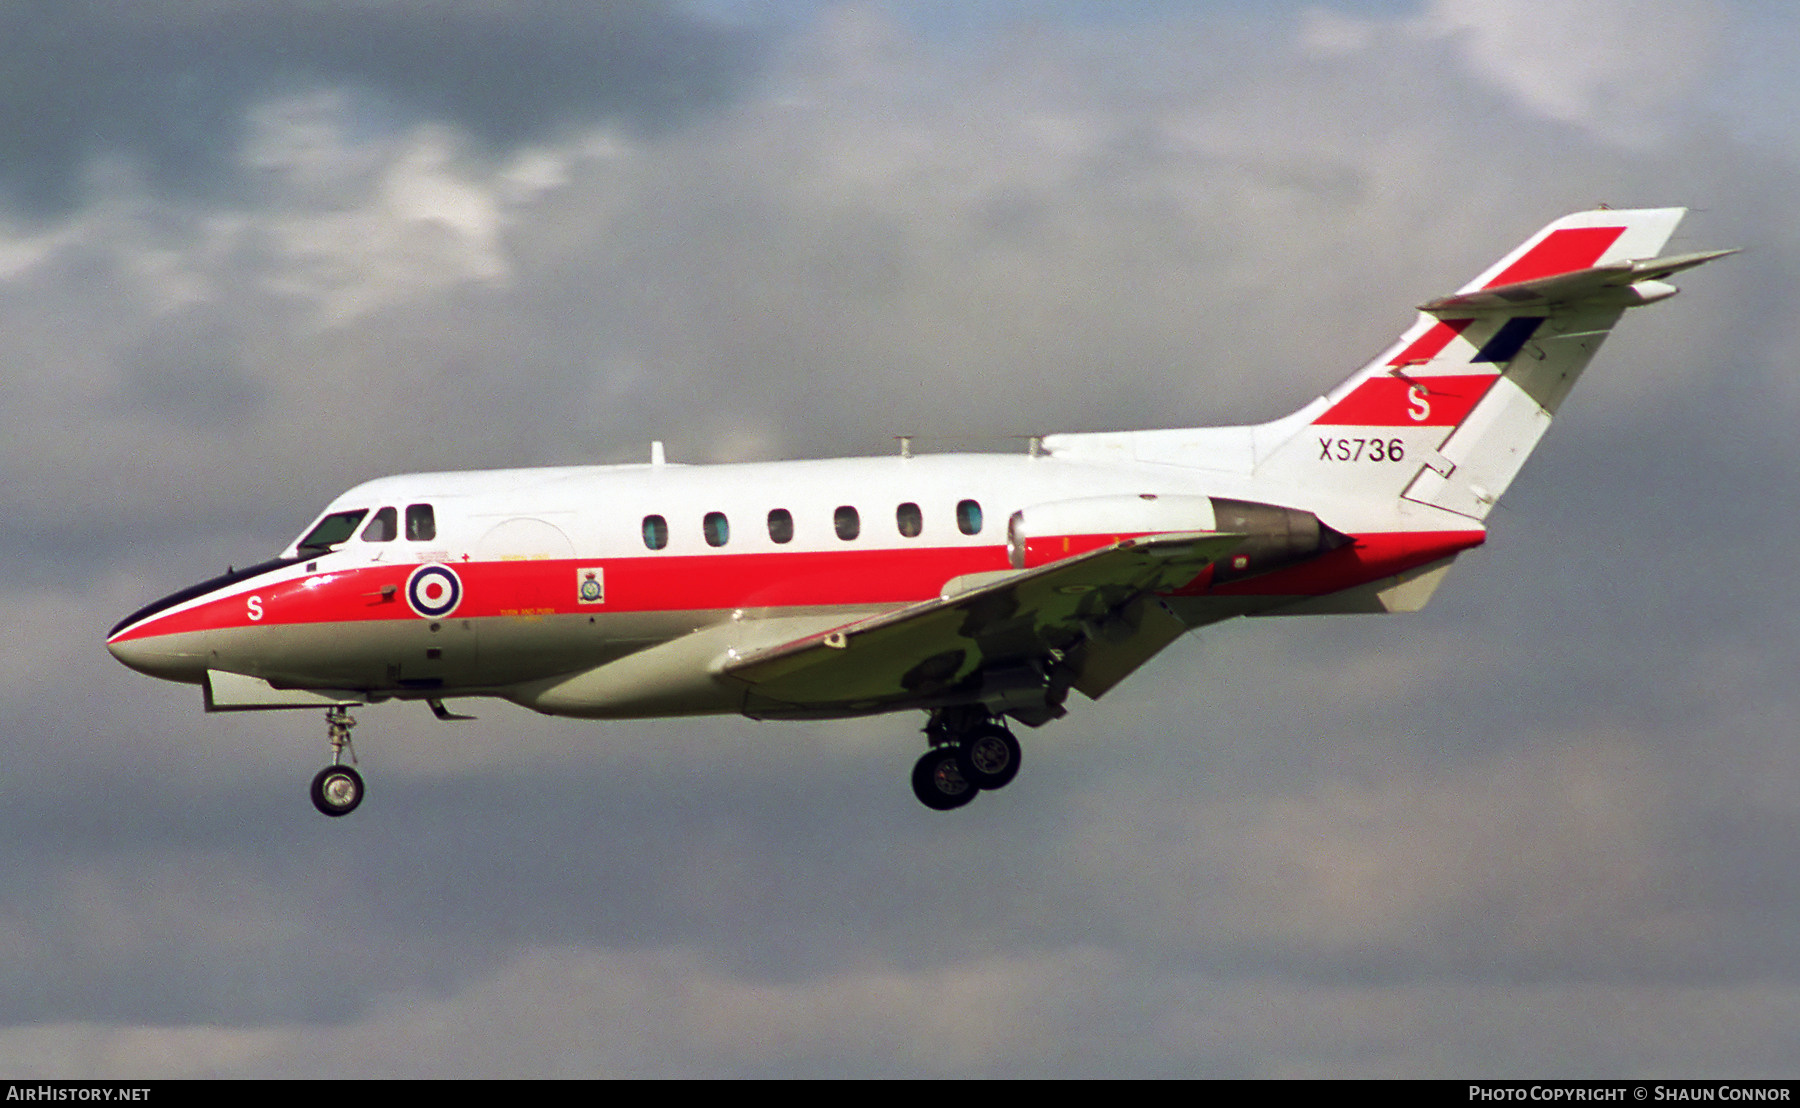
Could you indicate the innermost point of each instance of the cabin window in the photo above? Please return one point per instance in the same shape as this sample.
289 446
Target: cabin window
968 517
656 532
332 530
847 523
421 523
717 528
909 520
382 528
781 525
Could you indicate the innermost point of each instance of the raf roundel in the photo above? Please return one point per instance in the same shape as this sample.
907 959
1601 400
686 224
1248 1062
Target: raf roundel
433 591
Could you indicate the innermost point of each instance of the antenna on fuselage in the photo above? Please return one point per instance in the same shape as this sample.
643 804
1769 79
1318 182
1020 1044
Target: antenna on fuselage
656 453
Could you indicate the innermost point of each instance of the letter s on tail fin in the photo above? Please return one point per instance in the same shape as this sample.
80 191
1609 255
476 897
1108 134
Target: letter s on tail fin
1454 407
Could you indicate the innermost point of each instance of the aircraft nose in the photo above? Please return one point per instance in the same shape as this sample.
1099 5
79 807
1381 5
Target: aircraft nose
163 656
167 650
180 649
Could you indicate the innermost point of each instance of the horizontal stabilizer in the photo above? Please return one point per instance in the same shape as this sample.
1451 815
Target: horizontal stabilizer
1625 284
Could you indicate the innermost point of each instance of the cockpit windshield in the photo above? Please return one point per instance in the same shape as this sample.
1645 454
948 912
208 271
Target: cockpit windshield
332 530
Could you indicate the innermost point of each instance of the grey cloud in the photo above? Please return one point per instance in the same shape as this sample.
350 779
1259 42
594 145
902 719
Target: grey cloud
189 367
166 82
1538 827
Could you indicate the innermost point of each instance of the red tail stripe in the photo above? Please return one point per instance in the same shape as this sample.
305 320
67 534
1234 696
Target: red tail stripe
1431 343
1561 251
1442 401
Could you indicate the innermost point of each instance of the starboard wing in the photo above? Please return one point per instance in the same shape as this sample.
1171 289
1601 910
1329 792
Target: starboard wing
1093 617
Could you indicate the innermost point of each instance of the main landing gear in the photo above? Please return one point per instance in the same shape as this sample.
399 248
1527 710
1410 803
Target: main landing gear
338 789
970 751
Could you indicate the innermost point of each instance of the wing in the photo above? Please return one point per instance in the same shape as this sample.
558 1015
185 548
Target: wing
1016 643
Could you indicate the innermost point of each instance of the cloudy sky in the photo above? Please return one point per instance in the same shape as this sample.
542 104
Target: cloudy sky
252 253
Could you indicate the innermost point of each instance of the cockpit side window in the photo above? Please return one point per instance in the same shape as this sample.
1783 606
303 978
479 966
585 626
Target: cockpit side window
421 523
332 530
382 528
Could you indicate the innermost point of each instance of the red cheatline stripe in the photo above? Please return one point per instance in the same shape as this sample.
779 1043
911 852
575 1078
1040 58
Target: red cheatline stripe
1370 558
1561 251
651 583
1431 343
721 582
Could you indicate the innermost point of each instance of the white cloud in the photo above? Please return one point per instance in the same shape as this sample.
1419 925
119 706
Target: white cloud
1328 34
569 1012
592 1013
1611 65
1618 68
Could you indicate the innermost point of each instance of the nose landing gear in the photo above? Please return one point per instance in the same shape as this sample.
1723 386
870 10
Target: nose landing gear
970 751
338 788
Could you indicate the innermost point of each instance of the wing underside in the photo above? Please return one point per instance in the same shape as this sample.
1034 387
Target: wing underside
1016 644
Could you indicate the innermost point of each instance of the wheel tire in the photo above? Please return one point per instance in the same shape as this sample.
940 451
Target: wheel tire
988 757
938 782
337 790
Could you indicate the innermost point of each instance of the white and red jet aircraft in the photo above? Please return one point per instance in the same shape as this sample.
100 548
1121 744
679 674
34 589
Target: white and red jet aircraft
977 588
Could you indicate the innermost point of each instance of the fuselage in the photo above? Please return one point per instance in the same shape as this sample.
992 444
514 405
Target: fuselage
982 589
496 582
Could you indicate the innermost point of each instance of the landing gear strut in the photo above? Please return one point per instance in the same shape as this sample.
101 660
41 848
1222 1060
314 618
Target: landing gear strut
338 788
970 751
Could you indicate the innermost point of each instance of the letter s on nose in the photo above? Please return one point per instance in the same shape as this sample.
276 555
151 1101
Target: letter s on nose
253 607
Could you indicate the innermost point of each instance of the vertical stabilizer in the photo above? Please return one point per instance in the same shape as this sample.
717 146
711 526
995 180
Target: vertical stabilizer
1448 414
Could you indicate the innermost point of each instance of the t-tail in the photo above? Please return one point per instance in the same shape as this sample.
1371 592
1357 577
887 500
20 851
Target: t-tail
1443 419
1447 415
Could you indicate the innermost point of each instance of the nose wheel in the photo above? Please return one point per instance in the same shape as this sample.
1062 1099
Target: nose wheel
338 788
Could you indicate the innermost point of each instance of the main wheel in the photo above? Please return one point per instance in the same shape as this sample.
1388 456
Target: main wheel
988 756
938 782
337 790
